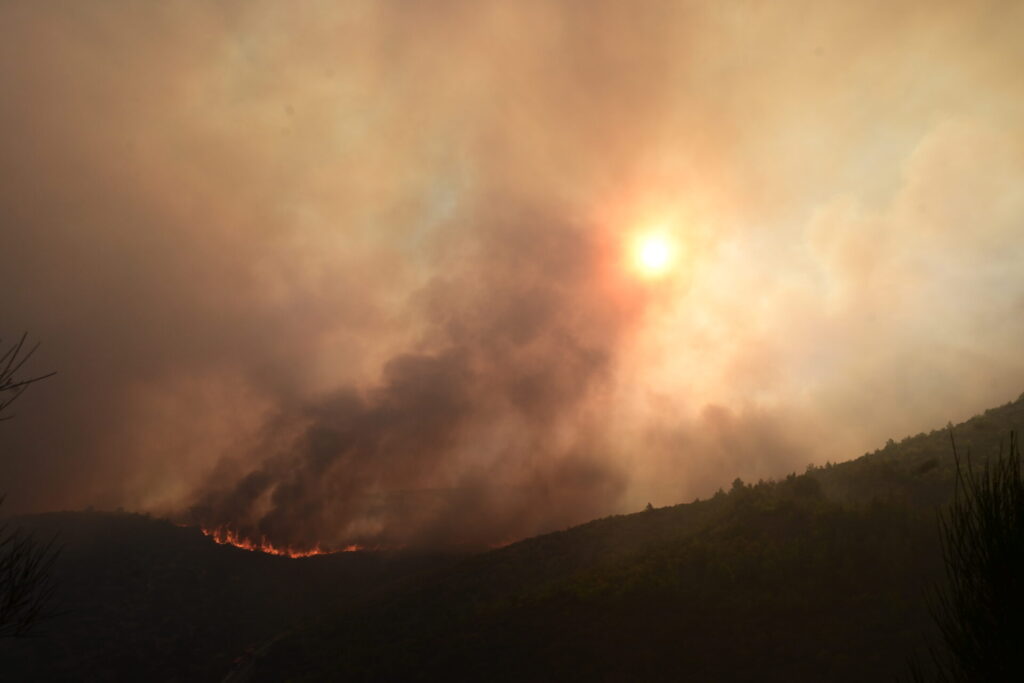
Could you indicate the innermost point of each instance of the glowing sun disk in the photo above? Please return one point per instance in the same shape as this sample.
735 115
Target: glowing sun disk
653 254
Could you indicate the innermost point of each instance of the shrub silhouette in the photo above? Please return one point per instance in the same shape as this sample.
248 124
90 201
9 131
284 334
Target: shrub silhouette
980 610
26 565
26 584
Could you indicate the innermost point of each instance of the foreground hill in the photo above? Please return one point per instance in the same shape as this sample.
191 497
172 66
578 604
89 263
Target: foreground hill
822 576
140 599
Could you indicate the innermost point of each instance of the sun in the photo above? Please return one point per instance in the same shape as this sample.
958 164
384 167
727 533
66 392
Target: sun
653 254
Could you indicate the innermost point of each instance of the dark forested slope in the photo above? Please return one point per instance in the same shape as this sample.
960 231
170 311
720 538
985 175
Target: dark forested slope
823 576
140 599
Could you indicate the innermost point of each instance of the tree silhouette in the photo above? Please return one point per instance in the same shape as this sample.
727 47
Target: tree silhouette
26 584
980 610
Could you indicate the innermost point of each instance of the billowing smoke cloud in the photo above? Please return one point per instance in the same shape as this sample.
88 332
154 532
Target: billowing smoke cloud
357 272
480 435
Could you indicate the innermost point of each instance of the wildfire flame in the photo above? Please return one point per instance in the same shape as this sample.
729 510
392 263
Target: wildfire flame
226 536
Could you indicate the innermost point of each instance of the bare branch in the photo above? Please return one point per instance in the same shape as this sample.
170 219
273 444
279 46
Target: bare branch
11 362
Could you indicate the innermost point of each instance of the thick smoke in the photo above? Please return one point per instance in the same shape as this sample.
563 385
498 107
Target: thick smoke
355 272
479 435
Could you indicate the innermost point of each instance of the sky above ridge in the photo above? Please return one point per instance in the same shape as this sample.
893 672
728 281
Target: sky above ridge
461 272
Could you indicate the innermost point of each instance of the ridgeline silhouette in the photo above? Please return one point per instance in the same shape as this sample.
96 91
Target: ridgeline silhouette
824 575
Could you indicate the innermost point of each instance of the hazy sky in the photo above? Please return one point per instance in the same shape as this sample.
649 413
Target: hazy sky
360 271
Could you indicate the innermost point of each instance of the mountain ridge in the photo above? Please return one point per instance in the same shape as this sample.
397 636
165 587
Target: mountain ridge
821 575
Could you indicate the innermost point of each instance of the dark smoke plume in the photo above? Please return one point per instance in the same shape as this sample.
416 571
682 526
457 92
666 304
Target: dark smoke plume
478 436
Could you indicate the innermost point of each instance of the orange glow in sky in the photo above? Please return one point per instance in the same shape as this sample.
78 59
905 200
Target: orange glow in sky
654 254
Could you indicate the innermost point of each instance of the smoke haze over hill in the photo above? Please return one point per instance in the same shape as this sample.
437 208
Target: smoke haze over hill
355 272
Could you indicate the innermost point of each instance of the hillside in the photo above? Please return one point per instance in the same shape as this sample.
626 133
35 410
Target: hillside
821 576
140 599
920 469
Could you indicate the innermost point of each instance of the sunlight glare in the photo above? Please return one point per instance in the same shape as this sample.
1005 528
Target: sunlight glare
653 254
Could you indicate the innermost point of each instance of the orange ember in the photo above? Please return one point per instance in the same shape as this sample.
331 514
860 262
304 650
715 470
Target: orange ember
226 536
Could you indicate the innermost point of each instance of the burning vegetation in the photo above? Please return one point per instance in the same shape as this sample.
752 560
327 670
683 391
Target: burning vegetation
224 535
